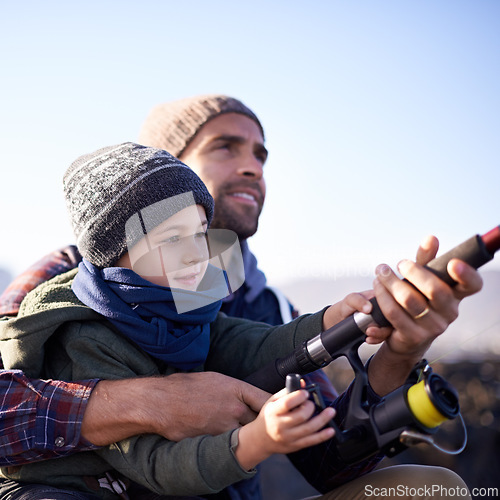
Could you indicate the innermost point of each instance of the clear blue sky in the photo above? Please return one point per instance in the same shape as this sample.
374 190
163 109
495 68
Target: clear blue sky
382 118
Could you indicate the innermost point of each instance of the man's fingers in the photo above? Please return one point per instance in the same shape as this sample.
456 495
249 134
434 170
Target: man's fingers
427 250
428 284
253 398
468 280
408 310
404 294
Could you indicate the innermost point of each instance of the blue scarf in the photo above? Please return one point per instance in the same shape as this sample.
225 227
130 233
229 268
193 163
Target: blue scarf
146 313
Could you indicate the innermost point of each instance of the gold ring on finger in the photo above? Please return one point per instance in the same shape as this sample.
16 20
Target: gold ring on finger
423 313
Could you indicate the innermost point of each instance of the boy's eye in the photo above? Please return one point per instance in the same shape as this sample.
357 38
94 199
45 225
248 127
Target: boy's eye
171 240
176 239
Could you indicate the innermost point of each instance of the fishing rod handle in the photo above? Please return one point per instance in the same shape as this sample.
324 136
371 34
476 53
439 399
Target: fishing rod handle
476 251
473 251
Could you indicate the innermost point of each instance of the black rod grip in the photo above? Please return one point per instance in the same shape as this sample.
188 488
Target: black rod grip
377 314
271 378
473 251
267 378
341 336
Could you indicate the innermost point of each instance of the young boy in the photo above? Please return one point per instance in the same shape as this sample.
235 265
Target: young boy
140 218
145 301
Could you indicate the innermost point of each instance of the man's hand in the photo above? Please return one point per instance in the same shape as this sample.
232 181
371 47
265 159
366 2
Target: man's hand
177 406
418 313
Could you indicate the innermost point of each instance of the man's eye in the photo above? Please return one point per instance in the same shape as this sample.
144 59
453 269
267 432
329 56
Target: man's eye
224 145
261 156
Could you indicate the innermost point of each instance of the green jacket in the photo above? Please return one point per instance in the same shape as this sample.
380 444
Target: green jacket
56 336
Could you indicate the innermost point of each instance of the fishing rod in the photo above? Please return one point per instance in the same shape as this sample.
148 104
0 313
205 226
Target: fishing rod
351 332
409 415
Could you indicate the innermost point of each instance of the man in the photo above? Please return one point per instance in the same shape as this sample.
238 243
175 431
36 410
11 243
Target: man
226 149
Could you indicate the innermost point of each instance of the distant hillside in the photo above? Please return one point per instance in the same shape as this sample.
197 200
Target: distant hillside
5 279
475 334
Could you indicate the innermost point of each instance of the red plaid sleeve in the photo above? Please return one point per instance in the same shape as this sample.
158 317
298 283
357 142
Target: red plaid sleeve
40 419
51 265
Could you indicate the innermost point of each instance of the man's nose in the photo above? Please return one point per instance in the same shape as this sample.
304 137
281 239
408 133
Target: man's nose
251 167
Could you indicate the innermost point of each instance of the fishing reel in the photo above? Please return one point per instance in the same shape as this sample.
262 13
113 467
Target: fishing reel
410 415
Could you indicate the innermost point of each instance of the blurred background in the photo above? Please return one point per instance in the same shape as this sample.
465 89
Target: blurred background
382 120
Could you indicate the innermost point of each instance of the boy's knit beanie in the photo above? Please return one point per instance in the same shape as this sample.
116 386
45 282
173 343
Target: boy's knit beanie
173 125
106 188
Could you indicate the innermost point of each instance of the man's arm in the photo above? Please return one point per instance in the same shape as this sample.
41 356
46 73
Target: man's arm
177 406
46 419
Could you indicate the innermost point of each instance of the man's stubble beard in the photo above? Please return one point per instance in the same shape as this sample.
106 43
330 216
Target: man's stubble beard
226 218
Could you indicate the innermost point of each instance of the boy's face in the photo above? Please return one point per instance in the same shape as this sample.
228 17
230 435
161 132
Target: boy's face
228 154
175 253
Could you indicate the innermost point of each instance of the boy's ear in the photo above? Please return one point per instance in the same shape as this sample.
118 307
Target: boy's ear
143 260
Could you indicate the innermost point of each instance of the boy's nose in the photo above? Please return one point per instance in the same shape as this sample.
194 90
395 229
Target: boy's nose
195 250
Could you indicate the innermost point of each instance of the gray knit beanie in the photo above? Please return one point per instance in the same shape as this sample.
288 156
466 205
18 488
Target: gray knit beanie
105 189
173 125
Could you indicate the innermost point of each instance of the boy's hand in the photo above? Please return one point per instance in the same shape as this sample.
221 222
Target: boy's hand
284 425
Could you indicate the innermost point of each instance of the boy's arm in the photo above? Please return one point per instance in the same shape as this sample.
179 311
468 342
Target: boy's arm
202 464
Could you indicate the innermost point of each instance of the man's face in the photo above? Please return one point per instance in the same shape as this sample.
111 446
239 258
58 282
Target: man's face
228 154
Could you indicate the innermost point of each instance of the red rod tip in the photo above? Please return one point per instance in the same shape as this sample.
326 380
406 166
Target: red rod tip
492 240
